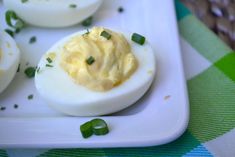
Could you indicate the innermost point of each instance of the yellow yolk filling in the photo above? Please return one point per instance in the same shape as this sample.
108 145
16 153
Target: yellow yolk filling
113 60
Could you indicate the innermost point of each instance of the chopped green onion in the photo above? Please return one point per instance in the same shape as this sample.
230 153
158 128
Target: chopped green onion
18 69
38 69
49 60
73 6
87 32
90 60
32 40
11 15
10 32
30 97
87 22
95 126
105 35
120 9
138 38
2 108
99 127
17 30
86 129
24 1
49 65
30 72
16 106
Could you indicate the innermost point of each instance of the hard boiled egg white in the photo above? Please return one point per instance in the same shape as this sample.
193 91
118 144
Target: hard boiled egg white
9 59
53 13
64 95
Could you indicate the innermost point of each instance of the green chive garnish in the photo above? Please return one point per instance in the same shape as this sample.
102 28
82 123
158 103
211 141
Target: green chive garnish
30 97
88 21
120 9
73 6
30 72
95 126
87 32
49 60
99 127
24 1
10 32
90 60
105 35
49 65
32 40
38 69
16 106
86 129
139 39
18 69
11 15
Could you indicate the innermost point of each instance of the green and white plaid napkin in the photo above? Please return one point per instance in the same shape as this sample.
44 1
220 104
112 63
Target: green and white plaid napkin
210 71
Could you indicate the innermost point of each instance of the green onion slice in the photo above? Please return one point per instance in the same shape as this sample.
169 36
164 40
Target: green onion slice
49 65
49 60
99 127
139 39
24 1
105 35
11 15
10 32
87 22
73 6
30 72
86 129
90 60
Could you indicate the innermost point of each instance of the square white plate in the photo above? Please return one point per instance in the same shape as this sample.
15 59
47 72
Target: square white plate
159 117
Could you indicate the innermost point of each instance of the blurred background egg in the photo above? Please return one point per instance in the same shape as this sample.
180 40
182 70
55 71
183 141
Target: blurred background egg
9 59
53 13
64 95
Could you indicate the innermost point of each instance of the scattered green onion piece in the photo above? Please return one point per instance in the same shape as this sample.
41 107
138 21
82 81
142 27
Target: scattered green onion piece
24 1
38 69
88 21
49 60
32 40
18 69
139 39
99 127
73 6
9 15
16 106
90 60
49 65
17 30
30 72
105 35
10 32
120 9
87 32
86 129
30 97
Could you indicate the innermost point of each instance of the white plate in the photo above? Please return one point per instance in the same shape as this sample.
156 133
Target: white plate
159 117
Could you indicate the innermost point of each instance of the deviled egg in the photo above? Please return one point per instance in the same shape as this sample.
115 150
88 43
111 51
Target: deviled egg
95 72
9 59
53 13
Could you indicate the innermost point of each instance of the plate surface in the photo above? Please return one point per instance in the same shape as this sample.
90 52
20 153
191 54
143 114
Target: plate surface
159 117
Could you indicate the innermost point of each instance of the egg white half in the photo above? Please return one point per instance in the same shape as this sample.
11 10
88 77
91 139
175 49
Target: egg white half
53 13
64 95
9 60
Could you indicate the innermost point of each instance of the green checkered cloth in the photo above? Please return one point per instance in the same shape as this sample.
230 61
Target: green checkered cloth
210 70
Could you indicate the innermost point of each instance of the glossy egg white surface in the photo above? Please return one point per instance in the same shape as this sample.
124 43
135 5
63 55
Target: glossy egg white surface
53 13
9 59
62 94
